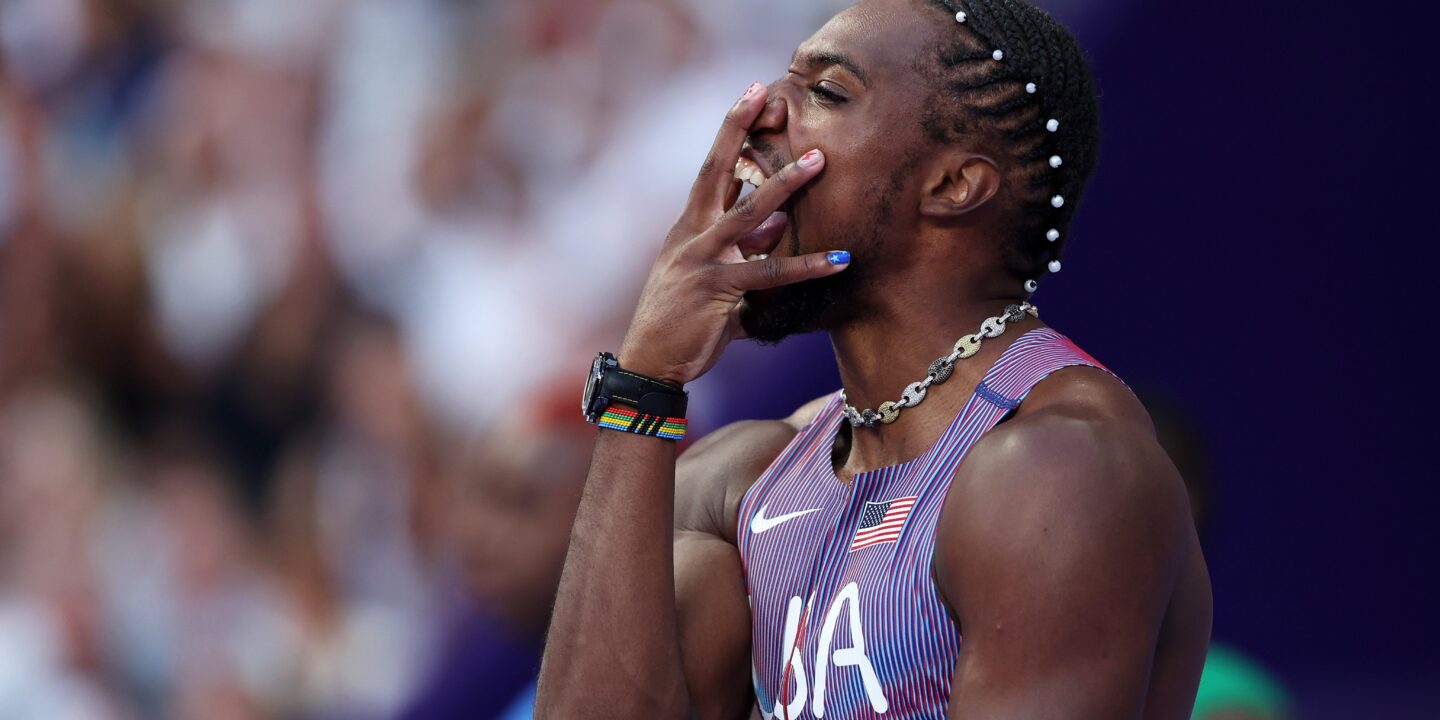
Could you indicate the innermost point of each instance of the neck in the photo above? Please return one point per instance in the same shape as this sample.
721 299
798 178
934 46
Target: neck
894 347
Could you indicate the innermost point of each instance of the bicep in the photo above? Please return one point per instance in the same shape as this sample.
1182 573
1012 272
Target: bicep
1060 572
1048 646
711 603
714 627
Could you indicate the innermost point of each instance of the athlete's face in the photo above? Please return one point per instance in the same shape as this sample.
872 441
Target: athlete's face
853 90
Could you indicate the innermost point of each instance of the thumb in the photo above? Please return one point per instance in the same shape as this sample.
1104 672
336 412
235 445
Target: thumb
776 271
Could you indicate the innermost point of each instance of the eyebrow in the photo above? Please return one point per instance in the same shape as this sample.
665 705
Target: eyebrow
831 57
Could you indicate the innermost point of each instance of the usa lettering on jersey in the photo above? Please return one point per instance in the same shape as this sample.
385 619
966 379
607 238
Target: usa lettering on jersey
796 619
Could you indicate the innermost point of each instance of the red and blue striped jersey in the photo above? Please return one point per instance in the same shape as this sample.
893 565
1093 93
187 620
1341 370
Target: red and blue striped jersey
846 619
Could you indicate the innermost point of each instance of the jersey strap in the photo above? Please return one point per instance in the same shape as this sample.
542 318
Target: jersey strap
1033 357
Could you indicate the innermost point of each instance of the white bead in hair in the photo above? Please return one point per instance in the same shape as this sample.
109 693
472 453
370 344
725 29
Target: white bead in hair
1052 125
1031 285
1054 161
1030 88
960 16
1054 266
1052 234
1058 201
998 54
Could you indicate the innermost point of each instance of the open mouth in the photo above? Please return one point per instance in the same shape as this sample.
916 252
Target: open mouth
749 171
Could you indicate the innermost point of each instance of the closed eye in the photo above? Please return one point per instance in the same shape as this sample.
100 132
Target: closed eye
825 95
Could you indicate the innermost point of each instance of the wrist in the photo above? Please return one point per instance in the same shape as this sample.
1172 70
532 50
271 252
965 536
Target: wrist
633 360
619 397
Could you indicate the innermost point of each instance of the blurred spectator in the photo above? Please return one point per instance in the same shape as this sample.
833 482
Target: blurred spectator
347 655
1233 686
51 633
514 501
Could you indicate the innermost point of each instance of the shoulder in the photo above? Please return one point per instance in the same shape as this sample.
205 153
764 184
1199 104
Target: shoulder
1076 475
1082 437
1080 420
711 477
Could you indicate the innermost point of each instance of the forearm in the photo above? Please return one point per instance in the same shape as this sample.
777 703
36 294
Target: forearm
613 647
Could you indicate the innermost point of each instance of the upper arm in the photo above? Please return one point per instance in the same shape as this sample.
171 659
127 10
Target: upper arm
1059 561
713 610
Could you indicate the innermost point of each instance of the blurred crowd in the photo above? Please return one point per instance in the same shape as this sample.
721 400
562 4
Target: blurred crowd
295 299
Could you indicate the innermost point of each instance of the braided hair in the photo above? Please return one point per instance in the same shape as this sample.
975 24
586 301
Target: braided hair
1012 77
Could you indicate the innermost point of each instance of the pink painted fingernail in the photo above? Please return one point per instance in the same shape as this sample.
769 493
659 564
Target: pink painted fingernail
750 91
810 159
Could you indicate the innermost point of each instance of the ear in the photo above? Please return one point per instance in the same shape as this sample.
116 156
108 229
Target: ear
959 183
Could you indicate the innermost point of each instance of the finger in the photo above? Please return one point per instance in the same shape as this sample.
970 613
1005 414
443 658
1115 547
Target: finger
751 210
776 271
732 193
718 171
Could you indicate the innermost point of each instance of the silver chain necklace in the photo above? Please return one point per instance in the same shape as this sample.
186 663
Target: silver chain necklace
939 370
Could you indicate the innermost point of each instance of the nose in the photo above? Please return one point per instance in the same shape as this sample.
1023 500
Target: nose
777 110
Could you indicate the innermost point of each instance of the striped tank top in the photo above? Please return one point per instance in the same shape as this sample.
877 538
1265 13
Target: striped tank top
847 620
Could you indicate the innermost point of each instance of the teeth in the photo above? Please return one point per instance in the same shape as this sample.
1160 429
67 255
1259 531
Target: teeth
749 172
760 256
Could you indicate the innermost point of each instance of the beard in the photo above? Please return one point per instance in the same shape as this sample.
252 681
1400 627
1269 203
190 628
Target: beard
769 316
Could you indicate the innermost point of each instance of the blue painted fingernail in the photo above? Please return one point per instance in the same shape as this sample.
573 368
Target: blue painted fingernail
838 257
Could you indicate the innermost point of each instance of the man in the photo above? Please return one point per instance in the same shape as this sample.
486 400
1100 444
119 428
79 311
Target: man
1014 495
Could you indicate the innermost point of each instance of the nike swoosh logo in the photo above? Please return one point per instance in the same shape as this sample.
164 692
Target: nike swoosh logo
760 523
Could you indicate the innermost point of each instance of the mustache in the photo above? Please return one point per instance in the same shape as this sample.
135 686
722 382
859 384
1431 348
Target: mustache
767 150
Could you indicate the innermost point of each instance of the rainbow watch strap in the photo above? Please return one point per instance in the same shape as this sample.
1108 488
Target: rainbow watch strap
627 420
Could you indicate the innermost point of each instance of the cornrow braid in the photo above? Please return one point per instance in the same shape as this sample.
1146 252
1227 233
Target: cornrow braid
1013 77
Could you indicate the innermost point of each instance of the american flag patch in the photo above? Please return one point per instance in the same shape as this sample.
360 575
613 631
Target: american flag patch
881 522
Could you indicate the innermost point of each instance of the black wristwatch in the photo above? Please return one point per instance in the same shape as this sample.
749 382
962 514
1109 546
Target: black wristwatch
609 383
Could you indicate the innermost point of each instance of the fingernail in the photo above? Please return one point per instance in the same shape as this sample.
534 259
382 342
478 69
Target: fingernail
750 91
810 159
838 257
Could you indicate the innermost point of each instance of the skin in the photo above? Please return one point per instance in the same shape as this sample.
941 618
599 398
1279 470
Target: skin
512 512
1065 549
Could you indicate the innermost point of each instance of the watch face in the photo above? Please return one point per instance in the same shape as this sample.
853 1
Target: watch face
592 384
